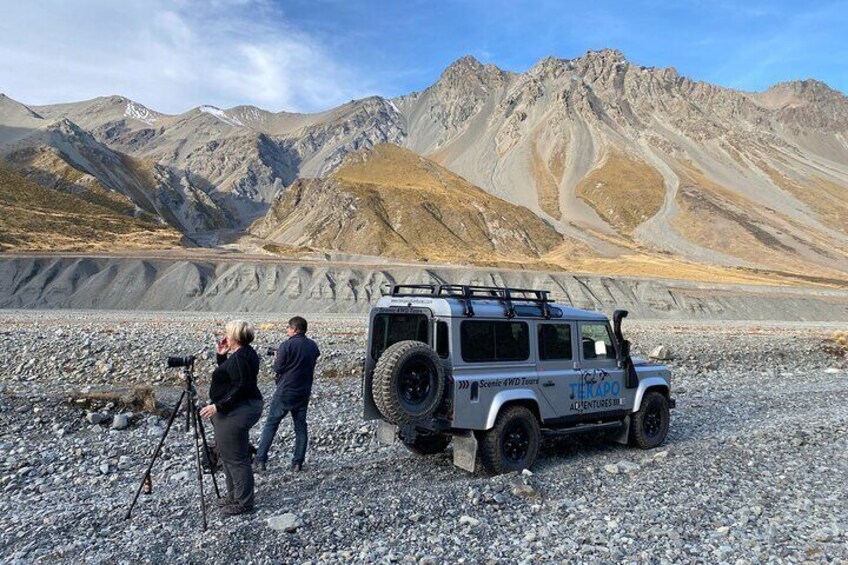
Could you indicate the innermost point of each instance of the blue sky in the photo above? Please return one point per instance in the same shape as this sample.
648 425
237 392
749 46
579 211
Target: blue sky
300 55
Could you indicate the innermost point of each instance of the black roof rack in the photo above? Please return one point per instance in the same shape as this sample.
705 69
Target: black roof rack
469 293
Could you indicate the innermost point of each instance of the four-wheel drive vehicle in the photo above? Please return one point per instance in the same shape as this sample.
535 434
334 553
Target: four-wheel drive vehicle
494 368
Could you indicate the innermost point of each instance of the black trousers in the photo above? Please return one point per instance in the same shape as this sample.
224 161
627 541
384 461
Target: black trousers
232 436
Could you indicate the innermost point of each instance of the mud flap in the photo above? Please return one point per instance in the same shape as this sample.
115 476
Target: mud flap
465 450
386 433
623 436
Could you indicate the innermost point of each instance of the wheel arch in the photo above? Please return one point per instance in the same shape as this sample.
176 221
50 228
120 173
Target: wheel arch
650 384
515 397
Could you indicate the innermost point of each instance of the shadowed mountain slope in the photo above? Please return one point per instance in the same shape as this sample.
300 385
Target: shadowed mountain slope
36 218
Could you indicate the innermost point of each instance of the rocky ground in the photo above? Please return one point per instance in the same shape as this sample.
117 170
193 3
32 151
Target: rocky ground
754 469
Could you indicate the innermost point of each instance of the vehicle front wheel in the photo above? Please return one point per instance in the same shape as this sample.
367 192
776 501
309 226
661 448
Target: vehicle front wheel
428 444
649 426
513 444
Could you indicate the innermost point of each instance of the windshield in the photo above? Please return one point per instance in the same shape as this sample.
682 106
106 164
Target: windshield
388 329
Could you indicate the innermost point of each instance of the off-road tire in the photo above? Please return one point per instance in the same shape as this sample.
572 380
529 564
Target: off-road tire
428 444
649 426
513 444
408 382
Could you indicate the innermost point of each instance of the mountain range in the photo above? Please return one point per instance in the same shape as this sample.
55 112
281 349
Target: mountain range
593 163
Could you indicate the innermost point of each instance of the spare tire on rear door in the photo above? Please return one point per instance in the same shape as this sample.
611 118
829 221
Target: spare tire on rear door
408 382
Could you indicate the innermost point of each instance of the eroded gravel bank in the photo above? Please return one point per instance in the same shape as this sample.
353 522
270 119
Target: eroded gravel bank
754 470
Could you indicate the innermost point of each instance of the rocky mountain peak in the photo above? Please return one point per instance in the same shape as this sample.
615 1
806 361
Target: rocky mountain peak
468 69
810 90
463 65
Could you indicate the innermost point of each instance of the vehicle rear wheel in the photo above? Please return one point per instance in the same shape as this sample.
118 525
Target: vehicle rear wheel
649 426
408 382
428 444
513 444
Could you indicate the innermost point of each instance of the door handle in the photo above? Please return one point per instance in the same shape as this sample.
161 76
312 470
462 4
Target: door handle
549 383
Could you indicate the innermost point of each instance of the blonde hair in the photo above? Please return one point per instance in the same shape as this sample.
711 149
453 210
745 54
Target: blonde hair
240 331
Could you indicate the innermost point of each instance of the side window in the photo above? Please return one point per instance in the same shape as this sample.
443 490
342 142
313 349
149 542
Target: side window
494 341
596 341
388 329
554 342
442 343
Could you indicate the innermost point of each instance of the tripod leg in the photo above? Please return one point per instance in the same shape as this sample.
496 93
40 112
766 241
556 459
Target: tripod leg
195 420
156 453
208 457
189 405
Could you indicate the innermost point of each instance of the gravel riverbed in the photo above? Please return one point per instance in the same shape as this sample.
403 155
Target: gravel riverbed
755 468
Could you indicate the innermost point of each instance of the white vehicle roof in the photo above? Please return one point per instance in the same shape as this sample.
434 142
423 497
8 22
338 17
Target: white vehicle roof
452 301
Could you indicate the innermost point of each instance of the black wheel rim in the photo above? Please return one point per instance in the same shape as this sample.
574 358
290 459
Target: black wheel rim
515 443
653 420
414 383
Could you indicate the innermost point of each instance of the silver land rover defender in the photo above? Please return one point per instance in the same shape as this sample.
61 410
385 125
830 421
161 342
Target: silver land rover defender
492 369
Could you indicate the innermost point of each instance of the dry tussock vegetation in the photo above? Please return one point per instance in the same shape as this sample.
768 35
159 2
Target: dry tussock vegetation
34 218
412 208
134 399
837 344
547 184
623 191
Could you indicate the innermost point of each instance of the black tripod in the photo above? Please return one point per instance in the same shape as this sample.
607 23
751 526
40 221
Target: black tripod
193 421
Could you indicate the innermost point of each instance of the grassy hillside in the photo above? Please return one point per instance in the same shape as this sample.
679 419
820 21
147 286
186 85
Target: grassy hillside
394 203
33 217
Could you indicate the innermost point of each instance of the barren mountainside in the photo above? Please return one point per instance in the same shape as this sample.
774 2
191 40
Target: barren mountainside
628 163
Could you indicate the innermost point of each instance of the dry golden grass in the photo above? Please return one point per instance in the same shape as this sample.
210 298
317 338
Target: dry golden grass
547 186
623 191
286 250
837 344
34 218
825 198
714 217
135 399
409 207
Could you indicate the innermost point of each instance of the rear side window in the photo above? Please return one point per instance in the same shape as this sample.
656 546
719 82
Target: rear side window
494 341
392 328
442 343
554 342
596 341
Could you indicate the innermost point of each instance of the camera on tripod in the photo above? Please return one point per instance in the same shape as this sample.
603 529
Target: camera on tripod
187 361
188 401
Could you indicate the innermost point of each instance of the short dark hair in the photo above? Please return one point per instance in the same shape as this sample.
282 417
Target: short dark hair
298 324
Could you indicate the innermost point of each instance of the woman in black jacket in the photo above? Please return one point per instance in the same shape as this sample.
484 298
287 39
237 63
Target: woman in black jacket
235 407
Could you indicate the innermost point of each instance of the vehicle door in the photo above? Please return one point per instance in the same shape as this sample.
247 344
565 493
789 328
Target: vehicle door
601 384
558 376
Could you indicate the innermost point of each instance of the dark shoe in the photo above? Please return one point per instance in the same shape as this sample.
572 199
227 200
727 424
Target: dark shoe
297 467
259 467
237 509
224 501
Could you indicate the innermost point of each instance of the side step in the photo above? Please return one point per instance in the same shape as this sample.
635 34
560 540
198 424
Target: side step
583 428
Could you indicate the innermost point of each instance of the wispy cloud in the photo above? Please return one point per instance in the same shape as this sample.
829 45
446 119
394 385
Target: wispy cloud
169 55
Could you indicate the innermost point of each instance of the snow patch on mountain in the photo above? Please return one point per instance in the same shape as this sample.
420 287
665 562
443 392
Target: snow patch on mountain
221 115
140 113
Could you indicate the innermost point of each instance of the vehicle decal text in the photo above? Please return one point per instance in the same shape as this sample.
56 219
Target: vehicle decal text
501 383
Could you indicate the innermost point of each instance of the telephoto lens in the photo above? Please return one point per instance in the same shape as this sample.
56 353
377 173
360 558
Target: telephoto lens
186 361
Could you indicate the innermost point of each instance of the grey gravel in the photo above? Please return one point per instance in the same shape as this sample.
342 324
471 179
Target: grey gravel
287 522
754 469
120 422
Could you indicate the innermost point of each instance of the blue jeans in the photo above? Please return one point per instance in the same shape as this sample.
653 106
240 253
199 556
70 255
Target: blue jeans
278 410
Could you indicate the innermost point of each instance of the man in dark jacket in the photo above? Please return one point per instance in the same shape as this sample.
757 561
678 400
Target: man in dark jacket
295 367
